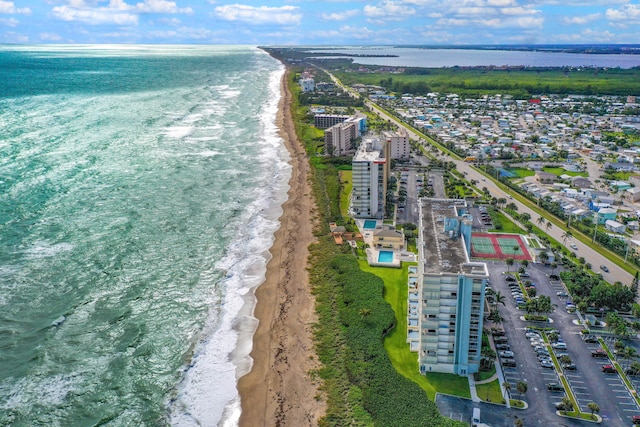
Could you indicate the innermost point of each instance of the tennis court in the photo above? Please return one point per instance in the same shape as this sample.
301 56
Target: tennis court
498 246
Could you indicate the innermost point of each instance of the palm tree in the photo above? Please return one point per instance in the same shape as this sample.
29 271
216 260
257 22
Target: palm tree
566 236
554 265
499 298
509 262
507 388
548 226
522 388
593 406
567 404
364 313
544 257
629 353
524 263
540 221
525 217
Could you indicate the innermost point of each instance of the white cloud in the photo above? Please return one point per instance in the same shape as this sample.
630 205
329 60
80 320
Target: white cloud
389 10
581 20
11 37
285 15
160 6
628 14
9 8
530 22
50 37
340 16
9 22
116 12
96 16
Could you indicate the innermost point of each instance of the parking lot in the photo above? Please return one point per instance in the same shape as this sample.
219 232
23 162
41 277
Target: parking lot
586 378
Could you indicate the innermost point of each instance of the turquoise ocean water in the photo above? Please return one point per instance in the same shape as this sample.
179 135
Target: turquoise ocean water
140 188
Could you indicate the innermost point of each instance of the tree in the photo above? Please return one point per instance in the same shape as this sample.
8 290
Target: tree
522 388
499 298
525 217
548 226
629 353
519 422
524 263
593 407
544 257
540 221
566 236
554 265
364 313
509 262
507 388
495 316
567 404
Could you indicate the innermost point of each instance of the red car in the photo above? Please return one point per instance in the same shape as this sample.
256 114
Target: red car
608 369
635 420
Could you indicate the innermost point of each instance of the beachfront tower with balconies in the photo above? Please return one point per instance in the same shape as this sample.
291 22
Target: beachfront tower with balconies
446 304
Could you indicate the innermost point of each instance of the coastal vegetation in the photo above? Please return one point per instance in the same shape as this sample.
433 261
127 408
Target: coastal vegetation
520 82
360 384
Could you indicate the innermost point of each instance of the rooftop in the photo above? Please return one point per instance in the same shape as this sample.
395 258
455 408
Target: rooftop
444 252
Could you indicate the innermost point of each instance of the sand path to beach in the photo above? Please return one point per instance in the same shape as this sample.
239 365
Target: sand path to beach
279 391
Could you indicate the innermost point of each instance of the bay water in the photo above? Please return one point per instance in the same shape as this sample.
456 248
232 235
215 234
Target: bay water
140 187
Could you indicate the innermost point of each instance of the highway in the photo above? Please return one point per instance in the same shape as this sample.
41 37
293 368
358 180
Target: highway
591 255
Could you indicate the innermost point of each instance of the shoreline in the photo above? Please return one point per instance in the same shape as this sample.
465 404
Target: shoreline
278 390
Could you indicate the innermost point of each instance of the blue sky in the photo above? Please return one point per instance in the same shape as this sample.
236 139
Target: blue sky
336 22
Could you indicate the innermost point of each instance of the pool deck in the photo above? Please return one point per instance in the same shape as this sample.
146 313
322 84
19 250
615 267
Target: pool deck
373 254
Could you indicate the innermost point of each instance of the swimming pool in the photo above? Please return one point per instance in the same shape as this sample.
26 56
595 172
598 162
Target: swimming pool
385 256
369 224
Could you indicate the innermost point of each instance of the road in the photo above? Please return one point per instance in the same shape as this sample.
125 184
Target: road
592 256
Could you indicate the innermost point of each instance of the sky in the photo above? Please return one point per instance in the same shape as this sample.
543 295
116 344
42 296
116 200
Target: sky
326 22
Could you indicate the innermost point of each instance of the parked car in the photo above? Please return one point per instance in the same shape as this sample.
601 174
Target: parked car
559 346
510 279
497 332
591 339
501 339
532 335
546 363
562 294
635 420
506 354
554 277
608 369
599 353
509 362
555 387
503 346
569 366
525 274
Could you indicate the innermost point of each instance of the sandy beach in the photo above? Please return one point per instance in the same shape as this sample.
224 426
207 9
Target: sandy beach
279 391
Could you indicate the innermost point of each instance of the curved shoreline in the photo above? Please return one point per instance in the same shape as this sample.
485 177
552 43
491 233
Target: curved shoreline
279 390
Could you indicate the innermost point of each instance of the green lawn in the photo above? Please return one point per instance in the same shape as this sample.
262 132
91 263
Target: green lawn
404 361
346 186
522 172
560 171
490 392
507 225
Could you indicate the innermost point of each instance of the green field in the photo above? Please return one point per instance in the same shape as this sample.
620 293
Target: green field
521 83
522 172
561 171
404 361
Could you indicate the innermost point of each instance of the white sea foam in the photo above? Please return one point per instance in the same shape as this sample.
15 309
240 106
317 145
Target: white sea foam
208 394
179 132
42 249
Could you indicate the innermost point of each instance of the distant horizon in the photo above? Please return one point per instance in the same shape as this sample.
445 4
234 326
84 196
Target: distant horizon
331 22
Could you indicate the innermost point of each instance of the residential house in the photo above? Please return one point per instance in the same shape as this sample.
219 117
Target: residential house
388 239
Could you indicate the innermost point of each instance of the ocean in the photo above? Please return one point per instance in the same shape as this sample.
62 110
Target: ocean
140 188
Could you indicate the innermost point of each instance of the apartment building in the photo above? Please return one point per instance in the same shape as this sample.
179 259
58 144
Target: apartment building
370 171
399 147
325 121
446 304
339 140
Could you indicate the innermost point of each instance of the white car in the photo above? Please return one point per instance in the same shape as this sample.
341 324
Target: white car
506 354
